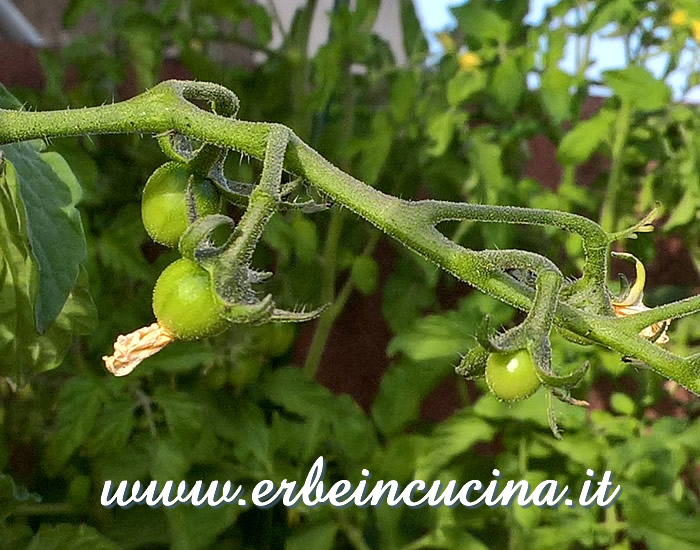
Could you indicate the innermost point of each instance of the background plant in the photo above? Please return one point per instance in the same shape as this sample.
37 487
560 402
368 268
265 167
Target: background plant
233 408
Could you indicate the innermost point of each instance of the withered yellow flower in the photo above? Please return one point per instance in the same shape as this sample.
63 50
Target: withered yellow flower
469 61
131 349
632 303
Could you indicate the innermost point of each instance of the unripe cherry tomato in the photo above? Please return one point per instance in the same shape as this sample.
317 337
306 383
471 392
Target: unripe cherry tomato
511 376
185 302
164 202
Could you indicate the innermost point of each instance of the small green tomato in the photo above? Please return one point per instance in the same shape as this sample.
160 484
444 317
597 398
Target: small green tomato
511 376
164 204
185 302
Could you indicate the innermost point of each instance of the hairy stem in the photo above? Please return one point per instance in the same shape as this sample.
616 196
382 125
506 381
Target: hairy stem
166 108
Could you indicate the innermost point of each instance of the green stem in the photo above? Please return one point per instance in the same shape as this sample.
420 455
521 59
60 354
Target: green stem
45 509
328 271
615 181
166 108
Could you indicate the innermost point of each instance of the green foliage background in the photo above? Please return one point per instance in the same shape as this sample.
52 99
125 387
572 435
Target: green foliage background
235 407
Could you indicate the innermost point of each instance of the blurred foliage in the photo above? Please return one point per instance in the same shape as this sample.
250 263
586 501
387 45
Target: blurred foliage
235 408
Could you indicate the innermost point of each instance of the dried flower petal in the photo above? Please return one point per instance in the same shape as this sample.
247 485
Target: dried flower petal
632 303
132 348
650 331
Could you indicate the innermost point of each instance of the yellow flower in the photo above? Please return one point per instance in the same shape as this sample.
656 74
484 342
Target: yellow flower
679 18
632 303
695 29
132 348
469 61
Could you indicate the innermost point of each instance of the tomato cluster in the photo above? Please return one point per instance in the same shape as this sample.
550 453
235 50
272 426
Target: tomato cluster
184 299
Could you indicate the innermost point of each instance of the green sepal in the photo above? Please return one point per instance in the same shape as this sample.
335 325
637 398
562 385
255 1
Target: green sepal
473 364
175 146
197 242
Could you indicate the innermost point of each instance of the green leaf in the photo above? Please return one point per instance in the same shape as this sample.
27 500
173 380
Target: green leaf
580 142
660 521
507 85
464 85
403 96
112 428
451 438
365 274
22 350
169 460
76 10
481 23
183 414
305 235
440 130
637 86
291 389
414 41
144 45
197 528
7 100
374 149
319 536
179 357
79 403
70 537
687 211
54 231
11 496
555 93
404 386
486 158
622 403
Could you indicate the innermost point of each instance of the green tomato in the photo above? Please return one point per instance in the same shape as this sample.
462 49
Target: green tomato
511 376
164 204
185 302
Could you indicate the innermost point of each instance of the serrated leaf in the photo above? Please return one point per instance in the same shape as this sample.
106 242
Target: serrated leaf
404 386
291 389
414 41
70 537
580 142
112 428
183 414
637 86
197 528
451 438
440 130
53 228
660 521
481 23
555 93
507 84
79 403
464 85
12 495
319 536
